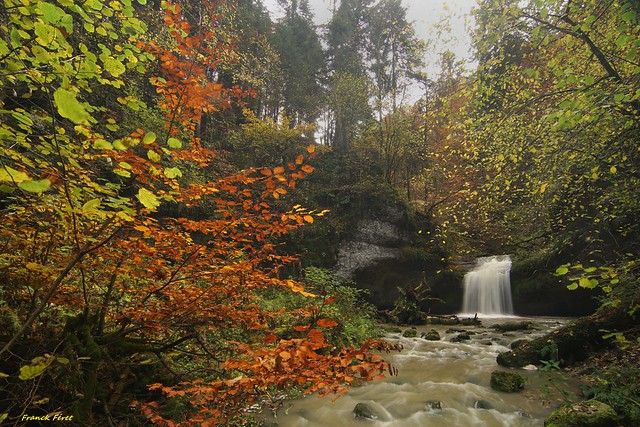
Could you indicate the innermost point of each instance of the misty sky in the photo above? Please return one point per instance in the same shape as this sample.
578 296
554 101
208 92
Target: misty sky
425 14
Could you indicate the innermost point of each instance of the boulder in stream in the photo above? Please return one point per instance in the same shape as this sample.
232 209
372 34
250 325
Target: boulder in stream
508 382
433 405
482 404
364 411
432 335
410 333
518 343
590 413
512 326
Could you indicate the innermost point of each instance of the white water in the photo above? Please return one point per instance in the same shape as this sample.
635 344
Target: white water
455 373
487 288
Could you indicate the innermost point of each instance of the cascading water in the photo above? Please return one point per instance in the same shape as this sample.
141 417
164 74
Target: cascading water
487 288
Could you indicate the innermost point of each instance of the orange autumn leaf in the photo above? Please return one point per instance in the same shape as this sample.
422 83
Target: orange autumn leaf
308 218
327 323
308 168
299 159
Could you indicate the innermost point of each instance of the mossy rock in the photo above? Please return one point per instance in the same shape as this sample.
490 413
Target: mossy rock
410 333
591 413
432 335
512 326
364 411
517 343
508 382
574 343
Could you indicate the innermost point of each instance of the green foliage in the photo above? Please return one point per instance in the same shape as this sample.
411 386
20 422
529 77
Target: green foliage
268 142
620 388
550 360
335 300
356 317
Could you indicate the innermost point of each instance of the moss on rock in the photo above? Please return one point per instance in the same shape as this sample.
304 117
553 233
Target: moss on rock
410 333
591 413
508 382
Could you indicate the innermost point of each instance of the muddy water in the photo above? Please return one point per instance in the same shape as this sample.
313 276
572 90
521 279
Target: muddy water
455 374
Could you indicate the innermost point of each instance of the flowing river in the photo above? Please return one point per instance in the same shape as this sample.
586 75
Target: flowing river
441 383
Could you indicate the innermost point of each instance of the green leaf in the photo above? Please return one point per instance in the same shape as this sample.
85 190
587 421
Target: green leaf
32 371
3 417
149 138
4 188
174 143
101 144
50 12
148 199
119 144
69 107
122 172
561 271
8 174
172 172
572 287
38 186
153 156
114 67
587 283
543 187
91 205
40 53
45 34
3 375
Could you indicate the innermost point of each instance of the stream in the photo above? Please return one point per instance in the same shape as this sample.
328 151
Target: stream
455 374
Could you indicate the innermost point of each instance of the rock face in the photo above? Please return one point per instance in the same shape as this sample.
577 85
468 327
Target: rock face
508 382
591 413
385 250
374 240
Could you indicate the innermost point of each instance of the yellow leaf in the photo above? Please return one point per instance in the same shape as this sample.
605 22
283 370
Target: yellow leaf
543 187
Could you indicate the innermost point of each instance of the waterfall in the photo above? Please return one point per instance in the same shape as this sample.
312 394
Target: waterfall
487 288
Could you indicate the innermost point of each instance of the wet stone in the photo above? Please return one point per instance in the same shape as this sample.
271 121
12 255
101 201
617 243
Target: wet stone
482 404
508 382
432 335
433 405
591 413
363 411
410 333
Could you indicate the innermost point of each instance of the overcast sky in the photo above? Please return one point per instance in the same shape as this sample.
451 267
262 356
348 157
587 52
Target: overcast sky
424 14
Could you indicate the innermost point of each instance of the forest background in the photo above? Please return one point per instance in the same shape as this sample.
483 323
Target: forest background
161 168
